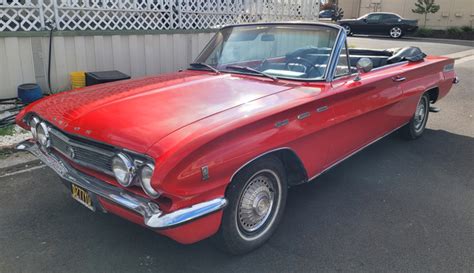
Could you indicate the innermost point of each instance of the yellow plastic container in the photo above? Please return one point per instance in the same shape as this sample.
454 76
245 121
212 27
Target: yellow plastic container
78 79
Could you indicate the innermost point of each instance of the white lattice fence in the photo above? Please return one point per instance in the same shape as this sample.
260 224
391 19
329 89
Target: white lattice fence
114 14
28 15
21 15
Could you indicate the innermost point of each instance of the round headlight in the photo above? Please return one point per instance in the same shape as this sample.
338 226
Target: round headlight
42 134
123 169
33 122
145 177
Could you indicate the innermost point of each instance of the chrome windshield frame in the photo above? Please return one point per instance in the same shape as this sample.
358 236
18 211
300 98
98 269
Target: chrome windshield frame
335 55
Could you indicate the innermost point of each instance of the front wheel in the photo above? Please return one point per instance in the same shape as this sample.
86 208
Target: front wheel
396 32
257 198
415 128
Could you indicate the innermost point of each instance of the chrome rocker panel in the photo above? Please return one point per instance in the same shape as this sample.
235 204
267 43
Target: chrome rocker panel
152 215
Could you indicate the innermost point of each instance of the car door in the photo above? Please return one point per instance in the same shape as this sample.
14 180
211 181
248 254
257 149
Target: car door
414 82
374 24
389 21
364 110
358 26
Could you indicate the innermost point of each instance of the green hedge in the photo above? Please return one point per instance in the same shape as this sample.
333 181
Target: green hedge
461 33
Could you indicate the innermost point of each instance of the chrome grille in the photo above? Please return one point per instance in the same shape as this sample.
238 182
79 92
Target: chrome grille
82 153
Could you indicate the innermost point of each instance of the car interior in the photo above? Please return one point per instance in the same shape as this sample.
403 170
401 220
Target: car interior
311 62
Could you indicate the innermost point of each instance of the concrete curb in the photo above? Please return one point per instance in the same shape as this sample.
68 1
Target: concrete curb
461 54
421 39
15 161
441 40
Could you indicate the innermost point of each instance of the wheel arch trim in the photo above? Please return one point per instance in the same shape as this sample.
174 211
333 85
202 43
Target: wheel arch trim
433 92
269 152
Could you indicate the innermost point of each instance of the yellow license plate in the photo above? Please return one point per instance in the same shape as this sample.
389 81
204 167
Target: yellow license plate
82 196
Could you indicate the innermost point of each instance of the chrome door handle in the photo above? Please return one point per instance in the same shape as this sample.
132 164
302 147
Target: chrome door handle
399 79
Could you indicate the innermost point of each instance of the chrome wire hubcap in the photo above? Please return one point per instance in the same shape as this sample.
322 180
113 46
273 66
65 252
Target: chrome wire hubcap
396 32
256 203
420 115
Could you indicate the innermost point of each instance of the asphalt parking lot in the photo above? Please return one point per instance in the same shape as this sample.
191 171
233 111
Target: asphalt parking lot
397 206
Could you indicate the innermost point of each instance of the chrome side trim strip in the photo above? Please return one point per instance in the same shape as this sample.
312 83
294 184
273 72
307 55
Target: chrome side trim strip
355 152
322 109
153 217
282 123
303 115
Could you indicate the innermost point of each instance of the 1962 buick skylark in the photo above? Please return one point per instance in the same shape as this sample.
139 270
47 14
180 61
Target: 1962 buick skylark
211 150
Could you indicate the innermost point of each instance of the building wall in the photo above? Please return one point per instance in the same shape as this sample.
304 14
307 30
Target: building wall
25 59
452 12
350 7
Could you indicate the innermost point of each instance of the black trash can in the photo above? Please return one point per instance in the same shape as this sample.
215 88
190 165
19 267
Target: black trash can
93 78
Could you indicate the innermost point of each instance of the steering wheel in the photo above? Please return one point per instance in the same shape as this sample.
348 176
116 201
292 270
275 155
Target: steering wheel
300 61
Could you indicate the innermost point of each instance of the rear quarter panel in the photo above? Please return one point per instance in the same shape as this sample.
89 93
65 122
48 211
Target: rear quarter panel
423 76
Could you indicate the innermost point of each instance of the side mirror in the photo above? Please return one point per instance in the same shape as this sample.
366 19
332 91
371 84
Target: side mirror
364 65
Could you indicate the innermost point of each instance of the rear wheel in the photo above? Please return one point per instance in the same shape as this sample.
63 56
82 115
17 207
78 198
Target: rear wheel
396 32
415 128
257 197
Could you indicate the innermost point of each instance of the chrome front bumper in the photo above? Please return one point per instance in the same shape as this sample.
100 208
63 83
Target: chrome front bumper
152 215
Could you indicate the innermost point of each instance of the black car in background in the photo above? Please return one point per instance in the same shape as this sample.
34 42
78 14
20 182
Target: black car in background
380 23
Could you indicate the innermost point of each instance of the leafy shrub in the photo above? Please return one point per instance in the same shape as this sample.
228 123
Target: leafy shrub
454 31
424 32
467 28
7 131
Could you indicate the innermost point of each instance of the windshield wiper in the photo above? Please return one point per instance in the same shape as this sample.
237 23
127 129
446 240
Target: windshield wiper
210 67
249 69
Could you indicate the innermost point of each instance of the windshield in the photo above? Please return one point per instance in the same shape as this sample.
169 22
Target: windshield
283 51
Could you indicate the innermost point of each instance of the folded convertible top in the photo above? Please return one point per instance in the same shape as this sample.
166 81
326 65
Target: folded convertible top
409 53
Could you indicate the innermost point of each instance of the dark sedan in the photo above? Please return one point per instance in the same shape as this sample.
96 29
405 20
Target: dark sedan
381 23
327 13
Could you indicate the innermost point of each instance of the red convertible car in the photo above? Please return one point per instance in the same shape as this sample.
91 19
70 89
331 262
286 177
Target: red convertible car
212 150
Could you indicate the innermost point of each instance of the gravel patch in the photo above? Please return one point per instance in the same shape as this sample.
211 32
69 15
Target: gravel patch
19 135
16 135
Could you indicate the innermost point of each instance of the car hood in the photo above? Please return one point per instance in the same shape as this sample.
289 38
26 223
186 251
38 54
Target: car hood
135 114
